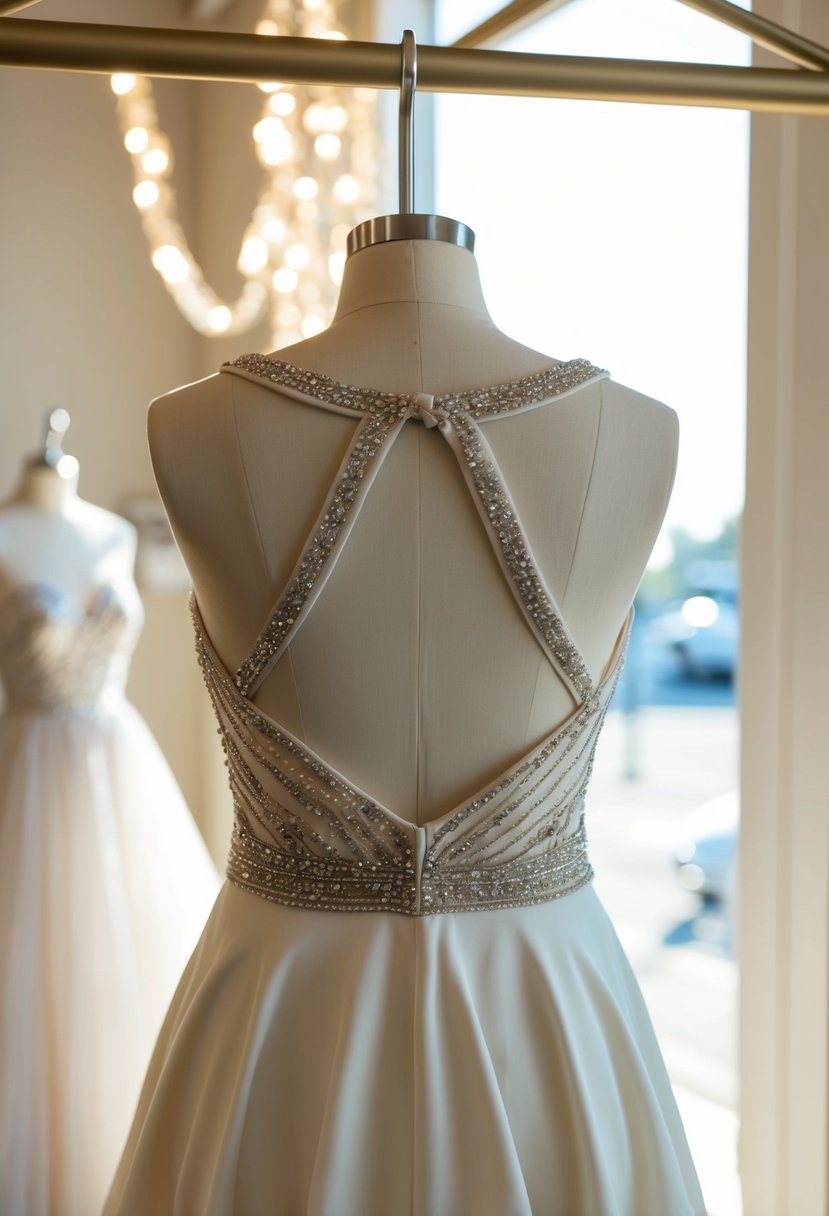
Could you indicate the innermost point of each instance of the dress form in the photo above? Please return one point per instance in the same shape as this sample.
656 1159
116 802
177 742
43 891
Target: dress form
105 883
241 469
48 534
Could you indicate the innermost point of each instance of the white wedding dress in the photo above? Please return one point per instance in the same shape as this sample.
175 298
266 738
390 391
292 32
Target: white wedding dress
105 885
386 1018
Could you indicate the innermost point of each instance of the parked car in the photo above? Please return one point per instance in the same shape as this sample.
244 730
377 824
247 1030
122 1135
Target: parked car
706 849
703 634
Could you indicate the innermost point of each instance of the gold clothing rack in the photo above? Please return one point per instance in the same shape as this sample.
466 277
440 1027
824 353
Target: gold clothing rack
216 55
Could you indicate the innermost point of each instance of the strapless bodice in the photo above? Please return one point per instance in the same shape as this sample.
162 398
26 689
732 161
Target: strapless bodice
56 655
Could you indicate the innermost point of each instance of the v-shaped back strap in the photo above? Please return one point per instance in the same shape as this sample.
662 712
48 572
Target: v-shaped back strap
382 417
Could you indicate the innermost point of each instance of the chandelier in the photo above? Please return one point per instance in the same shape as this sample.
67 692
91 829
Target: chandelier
318 147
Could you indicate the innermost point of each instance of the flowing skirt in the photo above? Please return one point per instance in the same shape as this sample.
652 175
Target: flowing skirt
484 1063
105 886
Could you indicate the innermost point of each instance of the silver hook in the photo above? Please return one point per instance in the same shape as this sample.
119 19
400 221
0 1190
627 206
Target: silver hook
408 83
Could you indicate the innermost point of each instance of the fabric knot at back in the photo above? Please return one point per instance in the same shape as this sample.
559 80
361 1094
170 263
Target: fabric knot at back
424 410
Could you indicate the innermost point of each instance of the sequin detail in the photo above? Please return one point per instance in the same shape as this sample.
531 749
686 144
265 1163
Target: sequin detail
58 657
478 403
306 837
455 415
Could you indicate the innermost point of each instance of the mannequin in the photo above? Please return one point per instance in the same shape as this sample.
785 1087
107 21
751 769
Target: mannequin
105 883
50 535
591 476
413 749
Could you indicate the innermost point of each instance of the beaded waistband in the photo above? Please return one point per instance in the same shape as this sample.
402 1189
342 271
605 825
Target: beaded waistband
338 885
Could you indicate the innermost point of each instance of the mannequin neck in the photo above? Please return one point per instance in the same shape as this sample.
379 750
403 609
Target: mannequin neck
423 272
44 489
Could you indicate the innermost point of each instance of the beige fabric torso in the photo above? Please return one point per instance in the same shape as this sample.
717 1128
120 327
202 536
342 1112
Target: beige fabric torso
415 674
305 834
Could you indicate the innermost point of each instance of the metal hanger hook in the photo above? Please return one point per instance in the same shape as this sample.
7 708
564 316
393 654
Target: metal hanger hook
408 83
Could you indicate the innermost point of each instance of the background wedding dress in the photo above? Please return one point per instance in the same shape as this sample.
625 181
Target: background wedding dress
105 885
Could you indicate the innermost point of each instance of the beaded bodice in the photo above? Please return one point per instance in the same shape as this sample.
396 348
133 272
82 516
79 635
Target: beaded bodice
303 833
58 656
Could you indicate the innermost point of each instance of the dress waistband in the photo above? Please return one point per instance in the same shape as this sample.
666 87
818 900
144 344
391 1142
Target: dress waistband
411 888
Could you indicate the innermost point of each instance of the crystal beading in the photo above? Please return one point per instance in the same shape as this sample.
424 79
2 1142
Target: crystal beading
305 836
456 415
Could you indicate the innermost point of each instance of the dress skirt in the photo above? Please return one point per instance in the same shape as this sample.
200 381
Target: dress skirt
105 887
482 1063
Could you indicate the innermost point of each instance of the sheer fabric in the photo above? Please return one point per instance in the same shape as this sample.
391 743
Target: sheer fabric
105 885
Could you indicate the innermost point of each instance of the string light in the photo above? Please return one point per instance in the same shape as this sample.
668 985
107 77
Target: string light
318 149
145 194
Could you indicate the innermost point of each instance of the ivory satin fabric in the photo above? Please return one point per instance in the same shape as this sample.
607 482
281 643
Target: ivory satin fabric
494 1062
491 1063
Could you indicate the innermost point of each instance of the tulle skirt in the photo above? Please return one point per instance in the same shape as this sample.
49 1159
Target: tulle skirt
105 886
484 1063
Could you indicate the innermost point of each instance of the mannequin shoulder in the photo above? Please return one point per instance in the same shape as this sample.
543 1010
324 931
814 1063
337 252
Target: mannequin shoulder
630 407
111 532
637 449
180 415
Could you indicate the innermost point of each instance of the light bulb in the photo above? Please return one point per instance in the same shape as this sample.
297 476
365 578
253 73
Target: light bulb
311 326
267 27
336 35
268 129
297 256
136 139
285 280
306 187
282 103
273 230
327 146
254 255
269 86
219 318
155 160
170 263
335 118
312 6
122 83
315 118
145 194
347 188
276 151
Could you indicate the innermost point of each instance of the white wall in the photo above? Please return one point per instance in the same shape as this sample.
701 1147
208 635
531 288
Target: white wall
86 323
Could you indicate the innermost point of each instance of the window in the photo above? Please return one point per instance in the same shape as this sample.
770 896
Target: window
619 233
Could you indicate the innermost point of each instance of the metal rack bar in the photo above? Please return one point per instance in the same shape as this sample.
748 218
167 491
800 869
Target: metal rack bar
14 6
765 33
202 55
508 21
792 46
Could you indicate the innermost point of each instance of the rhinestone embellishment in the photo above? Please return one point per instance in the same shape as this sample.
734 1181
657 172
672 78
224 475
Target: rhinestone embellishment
305 836
455 414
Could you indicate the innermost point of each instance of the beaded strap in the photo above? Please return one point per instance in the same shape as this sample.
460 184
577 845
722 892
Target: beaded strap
382 415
